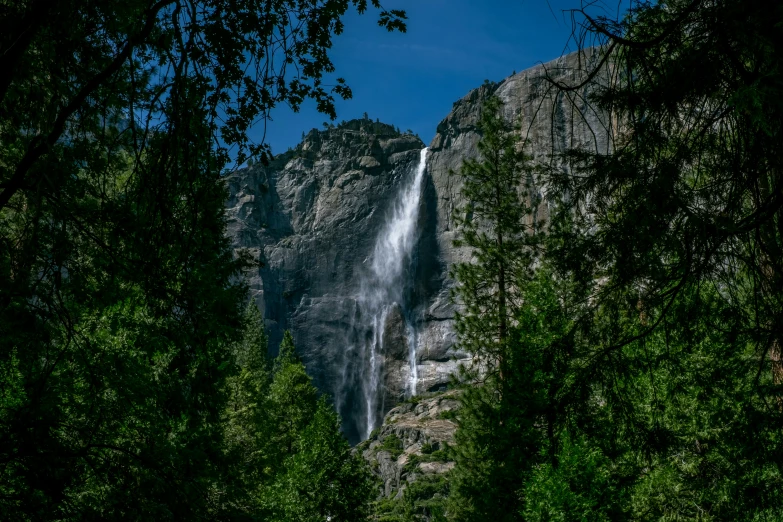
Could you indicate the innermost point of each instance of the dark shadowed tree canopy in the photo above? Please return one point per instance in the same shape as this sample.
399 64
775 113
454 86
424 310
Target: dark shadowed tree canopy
120 301
648 344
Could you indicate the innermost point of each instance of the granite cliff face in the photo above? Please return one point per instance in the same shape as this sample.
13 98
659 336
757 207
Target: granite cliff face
550 122
312 219
316 216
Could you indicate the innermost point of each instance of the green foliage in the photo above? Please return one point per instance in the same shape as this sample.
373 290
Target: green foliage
293 399
676 360
444 454
423 500
287 352
579 487
496 439
372 127
392 444
412 463
248 432
294 463
120 295
447 414
13 394
640 377
322 480
116 330
492 225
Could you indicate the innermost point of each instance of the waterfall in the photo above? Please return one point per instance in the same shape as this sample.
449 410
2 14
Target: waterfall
382 290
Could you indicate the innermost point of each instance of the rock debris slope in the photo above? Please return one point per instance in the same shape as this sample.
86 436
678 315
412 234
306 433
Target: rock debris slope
412 442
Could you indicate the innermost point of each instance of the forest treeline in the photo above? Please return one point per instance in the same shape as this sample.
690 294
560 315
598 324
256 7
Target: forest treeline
627 350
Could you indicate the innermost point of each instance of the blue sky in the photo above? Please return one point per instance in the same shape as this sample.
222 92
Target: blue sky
411 80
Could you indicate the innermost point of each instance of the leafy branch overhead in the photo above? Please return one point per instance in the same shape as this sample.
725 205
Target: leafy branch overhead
127 382
70 64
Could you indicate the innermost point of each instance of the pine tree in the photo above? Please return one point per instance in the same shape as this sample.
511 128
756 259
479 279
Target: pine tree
248 433
496 439
316 476
494 224
323 480
293 398
289 459
673 390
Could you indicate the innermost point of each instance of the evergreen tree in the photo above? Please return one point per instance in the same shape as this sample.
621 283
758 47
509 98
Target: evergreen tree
671 390
315 477
493 449
493 225
323 480
119 293
289 459
286 353
248 432
293 398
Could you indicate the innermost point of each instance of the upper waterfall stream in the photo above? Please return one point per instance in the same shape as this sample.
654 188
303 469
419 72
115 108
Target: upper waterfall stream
382 292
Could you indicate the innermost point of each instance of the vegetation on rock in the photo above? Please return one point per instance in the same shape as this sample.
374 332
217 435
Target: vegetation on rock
411 457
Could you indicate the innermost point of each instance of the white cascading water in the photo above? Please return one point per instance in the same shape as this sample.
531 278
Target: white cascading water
383 287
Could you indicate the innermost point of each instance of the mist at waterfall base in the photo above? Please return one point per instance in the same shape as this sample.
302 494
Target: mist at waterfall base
383 290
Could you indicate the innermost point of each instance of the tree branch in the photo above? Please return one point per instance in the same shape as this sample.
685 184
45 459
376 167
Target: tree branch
41 145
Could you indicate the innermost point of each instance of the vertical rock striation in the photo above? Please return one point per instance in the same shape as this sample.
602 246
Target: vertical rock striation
550 122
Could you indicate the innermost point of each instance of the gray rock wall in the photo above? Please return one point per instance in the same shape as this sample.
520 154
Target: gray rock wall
312 218
550 122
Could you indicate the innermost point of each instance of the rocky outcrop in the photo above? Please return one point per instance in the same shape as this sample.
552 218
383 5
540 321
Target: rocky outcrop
414 440
550 122
312 218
